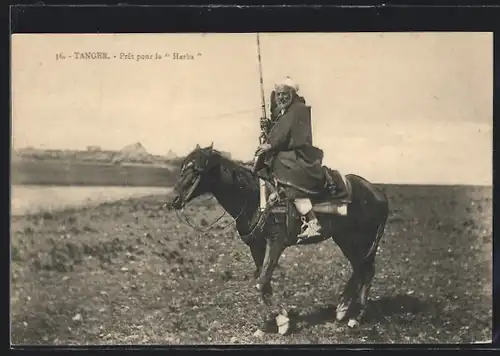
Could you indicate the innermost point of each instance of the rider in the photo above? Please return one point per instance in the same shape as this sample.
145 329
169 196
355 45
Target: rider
294 162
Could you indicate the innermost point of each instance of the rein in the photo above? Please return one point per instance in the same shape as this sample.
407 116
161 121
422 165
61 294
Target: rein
210 226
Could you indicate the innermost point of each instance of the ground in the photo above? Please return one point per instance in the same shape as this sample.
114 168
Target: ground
130 272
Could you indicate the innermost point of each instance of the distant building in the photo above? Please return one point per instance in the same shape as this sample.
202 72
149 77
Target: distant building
93 148
26 151
170 154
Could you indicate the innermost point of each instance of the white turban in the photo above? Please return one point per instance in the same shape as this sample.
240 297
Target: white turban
287 82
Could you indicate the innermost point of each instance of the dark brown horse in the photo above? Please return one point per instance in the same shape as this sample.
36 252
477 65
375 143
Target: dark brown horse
236 189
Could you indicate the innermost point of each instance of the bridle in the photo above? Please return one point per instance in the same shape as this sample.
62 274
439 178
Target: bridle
200 172
211 225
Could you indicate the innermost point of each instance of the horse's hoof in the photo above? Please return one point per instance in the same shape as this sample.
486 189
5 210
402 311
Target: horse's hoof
269 325
259 333
341 312
284 312
352 323
283 323
341 315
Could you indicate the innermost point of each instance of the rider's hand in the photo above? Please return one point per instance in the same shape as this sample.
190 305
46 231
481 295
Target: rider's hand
262 149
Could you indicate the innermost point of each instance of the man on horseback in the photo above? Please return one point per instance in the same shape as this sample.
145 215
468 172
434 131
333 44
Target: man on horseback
289 156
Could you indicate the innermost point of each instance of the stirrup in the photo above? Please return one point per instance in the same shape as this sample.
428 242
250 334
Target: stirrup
304 225
307 230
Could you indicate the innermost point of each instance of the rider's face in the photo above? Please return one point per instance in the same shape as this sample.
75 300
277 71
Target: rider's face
283 96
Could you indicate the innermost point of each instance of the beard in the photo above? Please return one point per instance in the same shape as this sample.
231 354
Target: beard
283 104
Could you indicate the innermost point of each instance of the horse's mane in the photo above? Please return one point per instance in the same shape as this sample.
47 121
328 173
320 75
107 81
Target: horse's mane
243 165
242 171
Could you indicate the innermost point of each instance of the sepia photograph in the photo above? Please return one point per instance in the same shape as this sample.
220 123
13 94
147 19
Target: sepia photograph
251 188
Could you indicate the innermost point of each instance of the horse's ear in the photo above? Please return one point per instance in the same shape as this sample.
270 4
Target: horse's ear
197 147
212 145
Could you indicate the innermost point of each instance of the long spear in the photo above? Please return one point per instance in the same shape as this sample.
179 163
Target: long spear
262 137
262 98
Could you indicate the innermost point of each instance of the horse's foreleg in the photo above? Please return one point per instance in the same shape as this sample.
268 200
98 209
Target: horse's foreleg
274 248
272 254
258 250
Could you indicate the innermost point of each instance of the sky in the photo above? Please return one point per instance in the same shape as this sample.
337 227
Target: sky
393 107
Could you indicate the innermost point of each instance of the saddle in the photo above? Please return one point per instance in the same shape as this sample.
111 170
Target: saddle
333 199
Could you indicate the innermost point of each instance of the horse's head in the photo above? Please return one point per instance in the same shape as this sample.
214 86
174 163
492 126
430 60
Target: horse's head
194 178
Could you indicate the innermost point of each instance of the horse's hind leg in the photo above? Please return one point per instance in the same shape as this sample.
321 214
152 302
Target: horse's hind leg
368 274
366 268
357 288
351 290
350 294
369 270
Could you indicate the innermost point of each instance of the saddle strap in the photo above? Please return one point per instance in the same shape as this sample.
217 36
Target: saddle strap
259 225
329 179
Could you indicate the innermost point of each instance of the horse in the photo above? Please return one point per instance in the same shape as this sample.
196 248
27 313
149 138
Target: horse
236 188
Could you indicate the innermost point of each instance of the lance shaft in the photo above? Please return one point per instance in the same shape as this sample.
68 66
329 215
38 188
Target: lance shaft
262 98
262 137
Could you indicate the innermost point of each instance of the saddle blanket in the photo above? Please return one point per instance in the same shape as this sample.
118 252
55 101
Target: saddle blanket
323 207
326 205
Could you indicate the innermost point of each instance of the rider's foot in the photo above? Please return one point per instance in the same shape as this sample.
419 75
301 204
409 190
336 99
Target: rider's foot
313 228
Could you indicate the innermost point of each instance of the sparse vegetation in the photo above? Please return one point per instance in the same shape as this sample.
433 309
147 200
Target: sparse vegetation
130 272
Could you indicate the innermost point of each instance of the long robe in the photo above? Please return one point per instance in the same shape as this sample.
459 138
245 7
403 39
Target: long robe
292 160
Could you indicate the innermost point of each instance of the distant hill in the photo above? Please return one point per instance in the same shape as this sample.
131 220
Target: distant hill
134 153
135 149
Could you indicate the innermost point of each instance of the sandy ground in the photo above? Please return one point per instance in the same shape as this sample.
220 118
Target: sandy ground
129 272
